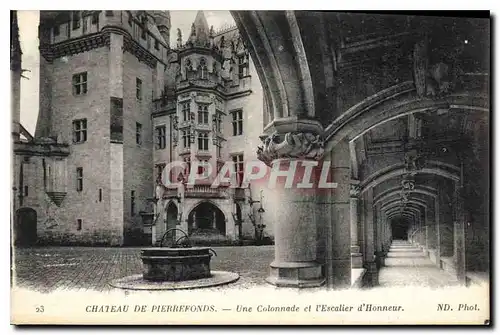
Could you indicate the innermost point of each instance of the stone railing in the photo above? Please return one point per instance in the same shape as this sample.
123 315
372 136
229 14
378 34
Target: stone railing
205 191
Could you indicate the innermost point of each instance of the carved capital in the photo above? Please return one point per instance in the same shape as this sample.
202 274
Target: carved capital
354 191
291 145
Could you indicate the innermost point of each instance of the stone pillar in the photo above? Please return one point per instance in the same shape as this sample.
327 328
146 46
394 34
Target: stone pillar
369 255
446 220
430 231
379 253
339 251
387 234
356 256
459 233
437 233
293 145
422 236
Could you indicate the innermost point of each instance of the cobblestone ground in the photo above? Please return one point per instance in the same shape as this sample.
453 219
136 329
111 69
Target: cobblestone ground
47 269
406 265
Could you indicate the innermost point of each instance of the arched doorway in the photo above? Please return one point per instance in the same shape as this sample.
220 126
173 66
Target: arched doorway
206 218
399 229
25 227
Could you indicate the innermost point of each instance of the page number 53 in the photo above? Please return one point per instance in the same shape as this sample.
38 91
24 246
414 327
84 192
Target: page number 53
39 309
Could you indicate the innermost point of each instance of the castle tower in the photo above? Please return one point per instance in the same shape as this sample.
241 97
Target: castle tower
99 73
15 74
203 123
162 20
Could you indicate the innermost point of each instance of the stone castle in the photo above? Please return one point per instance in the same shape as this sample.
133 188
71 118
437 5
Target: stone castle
118 104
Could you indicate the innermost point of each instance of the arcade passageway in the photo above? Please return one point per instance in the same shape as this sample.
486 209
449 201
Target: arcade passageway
399 107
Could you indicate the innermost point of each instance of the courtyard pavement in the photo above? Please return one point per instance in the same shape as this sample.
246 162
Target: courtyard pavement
47 269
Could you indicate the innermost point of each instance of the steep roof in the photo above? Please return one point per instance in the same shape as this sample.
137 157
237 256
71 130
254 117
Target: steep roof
200 32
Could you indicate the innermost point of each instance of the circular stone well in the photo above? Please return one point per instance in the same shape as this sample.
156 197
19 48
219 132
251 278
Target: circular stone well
176 264
137 282
175 269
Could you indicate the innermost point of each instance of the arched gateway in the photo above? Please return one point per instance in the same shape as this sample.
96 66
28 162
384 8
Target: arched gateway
207 219
25 227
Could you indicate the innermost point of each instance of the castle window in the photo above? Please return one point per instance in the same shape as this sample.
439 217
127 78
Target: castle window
203 68
238 167
25 190
144 27
138 89
138 133
108 13
202 141
79 224
157 44
132 202
202 114
203 168
79 131
188 67
161 139
185 107
84 27
95 18
56 30
186 138
76 20
237 122
218 150
100 195
79 179
243 67
80 83
187 161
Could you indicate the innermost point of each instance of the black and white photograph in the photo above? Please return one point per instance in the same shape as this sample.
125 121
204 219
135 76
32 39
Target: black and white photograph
238 167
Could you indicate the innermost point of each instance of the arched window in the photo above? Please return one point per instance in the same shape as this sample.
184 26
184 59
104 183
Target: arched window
188 67
203 68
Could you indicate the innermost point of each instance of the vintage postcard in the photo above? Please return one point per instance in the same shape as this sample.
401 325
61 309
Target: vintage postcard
250 167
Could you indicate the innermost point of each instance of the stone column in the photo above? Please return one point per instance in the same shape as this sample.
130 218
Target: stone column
356 256
293 145
379 253
369 256
431 231
459 233
339 251
446 220
437 218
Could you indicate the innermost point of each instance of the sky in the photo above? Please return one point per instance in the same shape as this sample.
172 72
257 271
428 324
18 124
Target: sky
28 34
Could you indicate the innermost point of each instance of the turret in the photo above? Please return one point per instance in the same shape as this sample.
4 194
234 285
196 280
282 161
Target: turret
200 33
162 20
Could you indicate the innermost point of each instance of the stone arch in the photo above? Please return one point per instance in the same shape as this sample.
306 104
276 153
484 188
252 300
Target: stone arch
396 170
394 102
206 217
172 211
25 227
427 191
397 201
